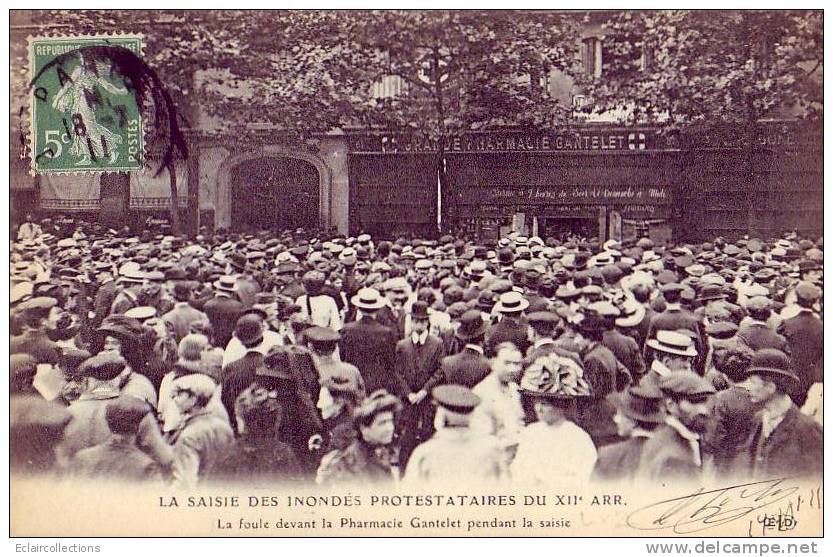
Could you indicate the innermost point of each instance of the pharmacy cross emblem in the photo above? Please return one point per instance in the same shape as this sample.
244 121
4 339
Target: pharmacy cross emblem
636 141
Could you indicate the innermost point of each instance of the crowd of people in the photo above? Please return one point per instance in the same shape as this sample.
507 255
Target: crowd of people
303 357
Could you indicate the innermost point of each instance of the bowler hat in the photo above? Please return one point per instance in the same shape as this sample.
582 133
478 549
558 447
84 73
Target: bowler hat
419 310
472 325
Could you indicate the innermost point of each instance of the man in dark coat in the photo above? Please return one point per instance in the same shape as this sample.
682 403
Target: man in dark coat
605 374
511 327
469 366
784 442
805 336
675 317
639 413
418 361
223 310
369 345
239 374
119 458
34 339
623 347
543 325
674 452
184 315
756 332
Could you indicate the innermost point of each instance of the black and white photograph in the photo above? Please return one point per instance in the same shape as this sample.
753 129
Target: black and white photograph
416 273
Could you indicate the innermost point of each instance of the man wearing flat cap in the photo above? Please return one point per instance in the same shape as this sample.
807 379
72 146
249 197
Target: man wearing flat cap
456 453
783 442
33 340
674 452
805 337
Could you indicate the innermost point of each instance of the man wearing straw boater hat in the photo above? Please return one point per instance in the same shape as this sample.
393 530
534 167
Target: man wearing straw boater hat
369 345
511 327
223 310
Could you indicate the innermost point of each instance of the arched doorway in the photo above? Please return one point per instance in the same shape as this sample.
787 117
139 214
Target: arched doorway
274 192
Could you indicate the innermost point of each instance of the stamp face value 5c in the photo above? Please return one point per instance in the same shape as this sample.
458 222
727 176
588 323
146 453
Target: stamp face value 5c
85 114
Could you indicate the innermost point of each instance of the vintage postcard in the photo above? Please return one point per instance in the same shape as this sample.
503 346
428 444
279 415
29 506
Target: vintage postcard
315 273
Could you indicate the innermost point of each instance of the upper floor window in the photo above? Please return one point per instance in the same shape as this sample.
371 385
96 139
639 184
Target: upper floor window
591 56
389 86
647 58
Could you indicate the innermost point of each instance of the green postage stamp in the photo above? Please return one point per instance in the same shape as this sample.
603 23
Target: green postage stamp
85 116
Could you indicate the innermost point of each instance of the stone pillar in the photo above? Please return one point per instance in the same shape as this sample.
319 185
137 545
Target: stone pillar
333 149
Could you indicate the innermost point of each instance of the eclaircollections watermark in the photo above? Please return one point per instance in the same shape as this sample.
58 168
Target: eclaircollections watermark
85 113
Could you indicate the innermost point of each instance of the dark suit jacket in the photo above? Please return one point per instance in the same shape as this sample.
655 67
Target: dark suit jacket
620 461
759 335
37 344
794 448
371 347
222 312
626 351
237 376
419 366
667 456
507 330
389 319
467 368
104 298
805 337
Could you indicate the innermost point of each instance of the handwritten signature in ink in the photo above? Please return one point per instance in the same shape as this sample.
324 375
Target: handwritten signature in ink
703 509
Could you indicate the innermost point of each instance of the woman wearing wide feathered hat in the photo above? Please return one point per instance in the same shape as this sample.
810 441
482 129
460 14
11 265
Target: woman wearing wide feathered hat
553 451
